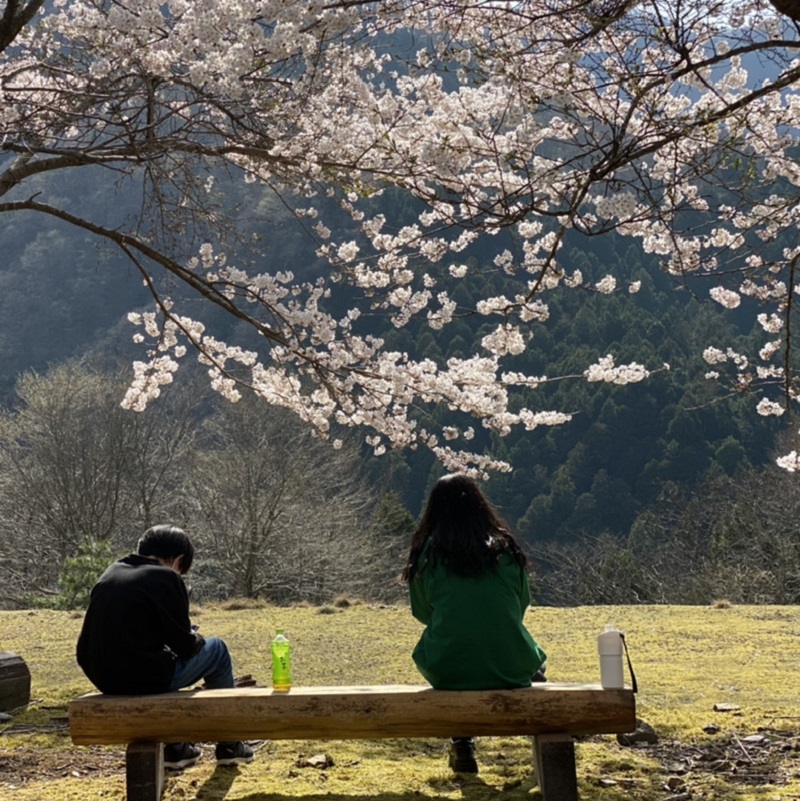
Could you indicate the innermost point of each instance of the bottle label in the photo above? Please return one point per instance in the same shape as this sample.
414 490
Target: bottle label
281 666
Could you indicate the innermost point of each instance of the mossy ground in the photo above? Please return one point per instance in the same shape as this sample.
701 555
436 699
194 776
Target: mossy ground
687 659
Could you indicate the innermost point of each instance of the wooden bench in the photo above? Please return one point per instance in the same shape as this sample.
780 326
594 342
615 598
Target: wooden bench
552 713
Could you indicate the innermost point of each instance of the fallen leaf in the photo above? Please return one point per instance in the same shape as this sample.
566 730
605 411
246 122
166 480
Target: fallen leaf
319 761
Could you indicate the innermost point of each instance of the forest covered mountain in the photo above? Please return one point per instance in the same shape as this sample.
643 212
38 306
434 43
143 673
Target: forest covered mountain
61 297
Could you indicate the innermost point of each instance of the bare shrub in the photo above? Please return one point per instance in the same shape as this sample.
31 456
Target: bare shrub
279 514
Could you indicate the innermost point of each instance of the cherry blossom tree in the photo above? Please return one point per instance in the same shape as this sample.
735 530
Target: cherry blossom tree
674 123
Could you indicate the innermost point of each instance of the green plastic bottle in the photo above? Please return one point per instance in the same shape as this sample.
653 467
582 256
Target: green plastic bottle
281 662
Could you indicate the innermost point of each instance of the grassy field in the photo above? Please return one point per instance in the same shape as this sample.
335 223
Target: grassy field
687 659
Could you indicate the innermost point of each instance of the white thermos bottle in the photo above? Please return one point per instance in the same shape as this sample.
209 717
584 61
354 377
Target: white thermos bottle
609 646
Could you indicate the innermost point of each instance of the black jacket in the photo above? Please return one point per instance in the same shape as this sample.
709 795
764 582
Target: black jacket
136 627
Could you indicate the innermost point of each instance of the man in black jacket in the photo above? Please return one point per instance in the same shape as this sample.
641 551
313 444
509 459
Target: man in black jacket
137 638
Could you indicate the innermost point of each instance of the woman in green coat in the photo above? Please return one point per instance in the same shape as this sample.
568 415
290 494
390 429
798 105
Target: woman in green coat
468 584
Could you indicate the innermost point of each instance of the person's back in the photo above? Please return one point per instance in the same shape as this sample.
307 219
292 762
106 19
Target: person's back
136 627
474 637
468 584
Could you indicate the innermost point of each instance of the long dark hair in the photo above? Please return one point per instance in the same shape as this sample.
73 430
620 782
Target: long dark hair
461 530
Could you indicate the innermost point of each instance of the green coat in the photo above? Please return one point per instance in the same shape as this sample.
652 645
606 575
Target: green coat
474 637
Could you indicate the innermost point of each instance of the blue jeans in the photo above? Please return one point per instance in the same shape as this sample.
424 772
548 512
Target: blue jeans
212 663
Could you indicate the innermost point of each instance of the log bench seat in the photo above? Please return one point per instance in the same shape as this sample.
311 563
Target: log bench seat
552 713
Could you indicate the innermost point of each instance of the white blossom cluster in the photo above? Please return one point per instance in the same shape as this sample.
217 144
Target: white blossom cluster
789 462
606 370
606 285
769 350
621 205
725 297
504 340
767 408
714 355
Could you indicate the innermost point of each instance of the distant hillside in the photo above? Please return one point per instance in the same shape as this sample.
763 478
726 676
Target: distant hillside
62 295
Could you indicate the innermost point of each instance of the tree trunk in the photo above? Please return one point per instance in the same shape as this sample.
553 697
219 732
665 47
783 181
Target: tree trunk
15 682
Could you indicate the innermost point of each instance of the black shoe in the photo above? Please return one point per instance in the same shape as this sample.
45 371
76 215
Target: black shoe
180 755
462 755
236 753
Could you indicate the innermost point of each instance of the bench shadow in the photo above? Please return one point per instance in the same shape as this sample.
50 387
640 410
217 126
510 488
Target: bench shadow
439 787
216 786
471 790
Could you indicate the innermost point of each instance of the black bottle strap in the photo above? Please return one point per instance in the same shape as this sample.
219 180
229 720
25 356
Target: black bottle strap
630 664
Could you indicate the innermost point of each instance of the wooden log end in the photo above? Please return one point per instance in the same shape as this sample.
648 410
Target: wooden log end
15 682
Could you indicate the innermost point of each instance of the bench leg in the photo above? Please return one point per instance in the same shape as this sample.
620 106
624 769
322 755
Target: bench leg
144 771
554 763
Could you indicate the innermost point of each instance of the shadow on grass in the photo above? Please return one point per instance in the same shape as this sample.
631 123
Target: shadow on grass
216 786
471 792
472 788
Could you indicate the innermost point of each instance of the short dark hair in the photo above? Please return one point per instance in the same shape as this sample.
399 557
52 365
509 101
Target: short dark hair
168 542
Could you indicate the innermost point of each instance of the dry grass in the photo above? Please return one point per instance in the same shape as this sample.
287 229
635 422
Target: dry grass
687 659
